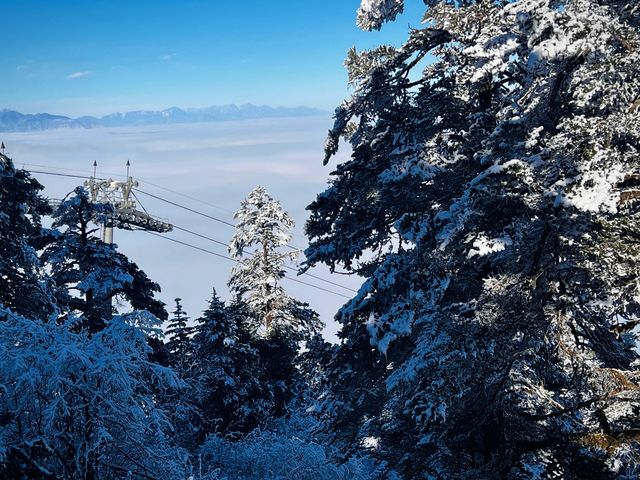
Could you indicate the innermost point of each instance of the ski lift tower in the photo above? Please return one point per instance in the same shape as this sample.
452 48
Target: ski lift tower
125 215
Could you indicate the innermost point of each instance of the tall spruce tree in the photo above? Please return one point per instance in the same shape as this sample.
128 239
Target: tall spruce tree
281 322
490 202
259 244
313 363
24 287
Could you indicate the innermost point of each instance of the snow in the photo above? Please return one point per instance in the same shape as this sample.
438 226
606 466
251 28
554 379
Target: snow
215 164
373 13
590 190
453 220
370 442
487 316
286 452
48 373
483 246
408 166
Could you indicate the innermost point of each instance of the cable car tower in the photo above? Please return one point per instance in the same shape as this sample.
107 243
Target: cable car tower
121 197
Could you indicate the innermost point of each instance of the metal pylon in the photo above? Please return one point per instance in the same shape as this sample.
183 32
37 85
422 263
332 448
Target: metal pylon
120 196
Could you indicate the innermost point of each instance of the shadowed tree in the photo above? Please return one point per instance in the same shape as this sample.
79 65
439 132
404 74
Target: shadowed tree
89 274
179 339
228 372
490 203
24 287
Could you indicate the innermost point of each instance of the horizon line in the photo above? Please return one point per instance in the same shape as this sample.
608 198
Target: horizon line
173 107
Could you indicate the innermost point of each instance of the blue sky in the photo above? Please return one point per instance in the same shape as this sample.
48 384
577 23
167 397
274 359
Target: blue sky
97 57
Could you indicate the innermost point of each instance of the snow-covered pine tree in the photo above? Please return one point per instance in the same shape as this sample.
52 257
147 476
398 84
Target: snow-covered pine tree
259 244
490 201
24 287
89 273
80 406
229 393
178 335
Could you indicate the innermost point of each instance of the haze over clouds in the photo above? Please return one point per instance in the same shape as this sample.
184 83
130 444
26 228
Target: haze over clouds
217 163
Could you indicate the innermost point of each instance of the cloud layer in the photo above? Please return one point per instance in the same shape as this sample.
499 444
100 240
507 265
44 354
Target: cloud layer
208 167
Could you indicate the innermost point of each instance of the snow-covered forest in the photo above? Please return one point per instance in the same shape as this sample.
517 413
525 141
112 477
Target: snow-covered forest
490 206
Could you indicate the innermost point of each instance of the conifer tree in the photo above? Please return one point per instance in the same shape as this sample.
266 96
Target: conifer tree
490 202
23 285
80 406
314 361
89 273
230 395
260 246
179 339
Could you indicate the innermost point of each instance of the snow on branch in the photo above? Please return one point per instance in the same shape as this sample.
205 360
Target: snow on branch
373 13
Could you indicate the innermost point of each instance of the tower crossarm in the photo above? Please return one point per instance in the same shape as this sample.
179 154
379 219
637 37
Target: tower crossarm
126 215
131 219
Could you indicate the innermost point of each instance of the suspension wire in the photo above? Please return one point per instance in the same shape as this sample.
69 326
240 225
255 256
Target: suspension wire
211 217
174 240
226 245
288 267
226 210
72 170
210 252
213 205
216 219
139 202
160 187
62 174
53 168
201 236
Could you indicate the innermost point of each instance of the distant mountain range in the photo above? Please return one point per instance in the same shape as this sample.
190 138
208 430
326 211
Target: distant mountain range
11 121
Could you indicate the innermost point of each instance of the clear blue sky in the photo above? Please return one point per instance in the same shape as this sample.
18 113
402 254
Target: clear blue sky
97 57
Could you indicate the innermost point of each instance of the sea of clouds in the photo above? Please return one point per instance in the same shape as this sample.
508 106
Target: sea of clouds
215 165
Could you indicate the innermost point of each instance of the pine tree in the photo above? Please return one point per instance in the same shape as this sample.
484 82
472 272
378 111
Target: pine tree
282 322
24 287
231 397
490 202
260 246
313 363
179 335
89 273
